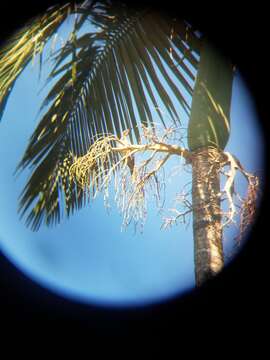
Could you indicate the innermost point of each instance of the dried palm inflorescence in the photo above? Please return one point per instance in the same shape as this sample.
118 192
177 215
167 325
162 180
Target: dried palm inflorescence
113 159
137 171
247 205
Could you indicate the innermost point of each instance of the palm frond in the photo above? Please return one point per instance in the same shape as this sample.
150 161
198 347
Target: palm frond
105 80
24 45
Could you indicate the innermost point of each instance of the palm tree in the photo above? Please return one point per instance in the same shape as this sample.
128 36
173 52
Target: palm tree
104 82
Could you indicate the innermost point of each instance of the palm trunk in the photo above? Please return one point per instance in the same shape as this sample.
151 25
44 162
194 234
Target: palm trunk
208 131
207 229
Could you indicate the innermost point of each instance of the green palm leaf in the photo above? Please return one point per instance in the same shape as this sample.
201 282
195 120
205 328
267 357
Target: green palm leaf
26 44
103 83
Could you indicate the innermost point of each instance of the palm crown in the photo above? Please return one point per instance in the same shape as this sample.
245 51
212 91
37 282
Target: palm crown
107 80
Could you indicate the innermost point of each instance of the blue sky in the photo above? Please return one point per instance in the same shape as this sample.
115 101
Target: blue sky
87 257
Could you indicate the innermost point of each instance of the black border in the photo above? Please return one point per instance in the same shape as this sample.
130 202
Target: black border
237 297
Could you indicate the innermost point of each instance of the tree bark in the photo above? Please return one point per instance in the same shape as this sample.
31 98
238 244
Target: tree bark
207 228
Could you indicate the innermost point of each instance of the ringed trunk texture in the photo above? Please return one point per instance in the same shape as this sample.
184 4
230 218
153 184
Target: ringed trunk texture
207 228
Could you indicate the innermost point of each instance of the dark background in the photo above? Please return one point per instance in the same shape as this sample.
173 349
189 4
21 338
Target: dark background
231 306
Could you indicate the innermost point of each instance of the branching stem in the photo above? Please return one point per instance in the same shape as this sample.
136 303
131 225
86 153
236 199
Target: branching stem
112 157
